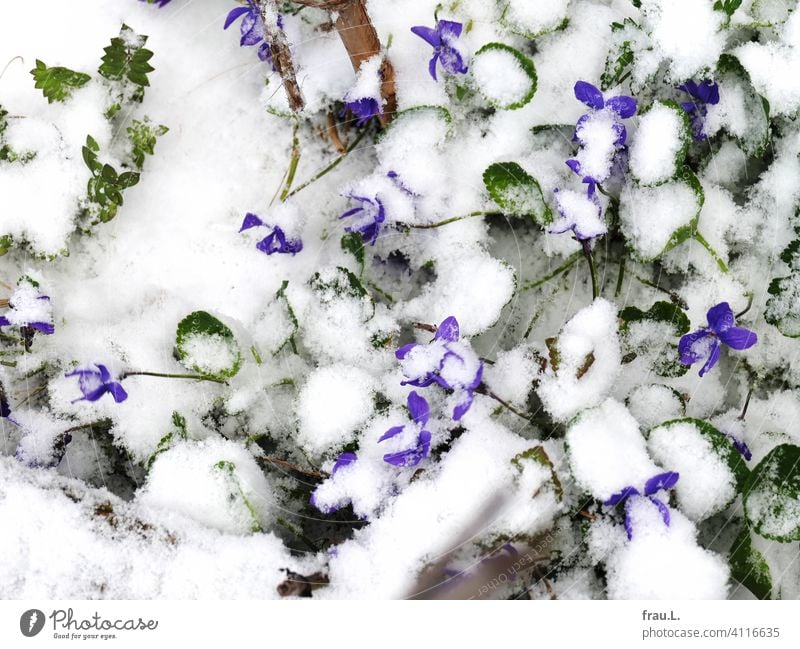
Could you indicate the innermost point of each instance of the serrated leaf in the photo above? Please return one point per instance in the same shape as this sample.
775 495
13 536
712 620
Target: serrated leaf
207 346
520 60
539 455
57 83
684 140
732 76
772 495
659 312
516 192
749 567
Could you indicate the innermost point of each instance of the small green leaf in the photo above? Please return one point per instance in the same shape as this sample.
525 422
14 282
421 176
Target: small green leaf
142 136
783 306
752 134
659 312
749 567
516 192
207 346
353 243
5 244
772 495
539 455
515 59
57 83
126 59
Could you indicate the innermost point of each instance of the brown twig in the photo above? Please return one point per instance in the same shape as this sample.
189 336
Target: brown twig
425 327
281 55
293 467
333 134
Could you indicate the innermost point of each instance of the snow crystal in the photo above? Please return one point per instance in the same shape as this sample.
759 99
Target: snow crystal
654 404
500 77
209 354
534 18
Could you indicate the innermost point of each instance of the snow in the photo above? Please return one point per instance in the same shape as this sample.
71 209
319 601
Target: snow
501 78
535 18
660 138
650 216
707 484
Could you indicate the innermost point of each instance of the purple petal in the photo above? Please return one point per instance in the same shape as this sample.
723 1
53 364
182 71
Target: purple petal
428 34
460 410
578 124
449 29
418 407
738 338
409 457
4 322
628 523
105 375
687 346
622 105
720 318
424 444
402 352
452 61
251 29
117 391
588 94
447 330
93 395
662 508
432 65
712 359
622 133
44 327
351 212
661 481
234 14
250 221
618 497
345 459
394 430
744 449
574 165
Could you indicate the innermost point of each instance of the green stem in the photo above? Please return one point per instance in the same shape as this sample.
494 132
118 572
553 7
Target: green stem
505 404
330 167
701 240
747 308
196 377
674 297
452 219
620 276
562 268
587 252
295 160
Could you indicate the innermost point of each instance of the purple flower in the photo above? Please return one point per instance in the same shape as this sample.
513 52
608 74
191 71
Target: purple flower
370 214
252 28
740 446
446 361
445 49
580 213
600 133
344 459
418 407
365 109
704 94
705 343
95 383
160 3
275 241
652 486
30 311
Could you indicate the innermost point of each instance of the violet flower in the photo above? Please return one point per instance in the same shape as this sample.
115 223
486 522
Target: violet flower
344 459
606 116
740 446
705 343
160 3
370 215
581 214
420 412
252 28
365 109
703 94
446 361
275 241
445 48
29 308
652 486
95 383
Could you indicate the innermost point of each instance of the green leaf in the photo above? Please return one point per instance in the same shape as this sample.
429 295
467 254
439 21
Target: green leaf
5 244
728 7
619 61
126 60
659 312
736 86
516 59
537 454
517 24
684 138
142 136
783 306
281 295
353 243
127 179
57 83
772 495
749 567
228 469
168 441
516 192
207 346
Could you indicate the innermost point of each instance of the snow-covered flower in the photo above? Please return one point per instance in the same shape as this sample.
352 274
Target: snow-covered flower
95 383
251 28
420 412
344 459
703 94
740 446
364 109
600 133
28 307
446 361
705 343
655 484
369 215
443 39
275 241
580 213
